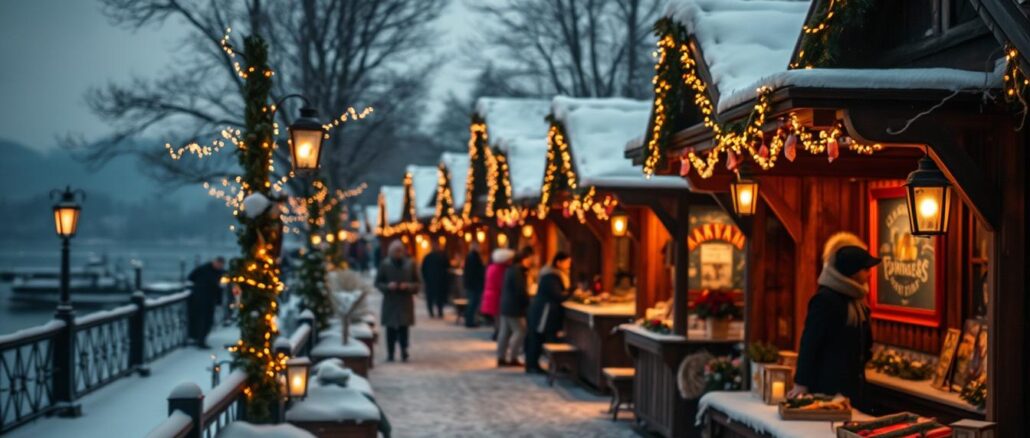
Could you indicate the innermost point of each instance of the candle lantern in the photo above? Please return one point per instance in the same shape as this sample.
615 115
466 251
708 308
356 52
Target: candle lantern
620 223
306 135
776 382
928 193
297 370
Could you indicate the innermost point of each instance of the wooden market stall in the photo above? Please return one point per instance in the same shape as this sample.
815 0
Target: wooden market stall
821 150
389 217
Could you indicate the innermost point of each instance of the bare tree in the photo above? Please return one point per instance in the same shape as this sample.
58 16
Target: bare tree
337 53
575 47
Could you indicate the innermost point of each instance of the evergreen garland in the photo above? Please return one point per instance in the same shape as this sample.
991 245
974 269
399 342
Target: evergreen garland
257 269
311 288
822 38
673 107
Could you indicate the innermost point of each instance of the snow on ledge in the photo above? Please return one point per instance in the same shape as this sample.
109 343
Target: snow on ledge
242 429
508 119
597 130
50 327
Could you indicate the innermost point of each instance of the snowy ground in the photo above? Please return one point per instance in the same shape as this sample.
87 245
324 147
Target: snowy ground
452 388
132 406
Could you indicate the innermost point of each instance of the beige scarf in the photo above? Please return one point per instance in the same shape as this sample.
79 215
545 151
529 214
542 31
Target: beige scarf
844 285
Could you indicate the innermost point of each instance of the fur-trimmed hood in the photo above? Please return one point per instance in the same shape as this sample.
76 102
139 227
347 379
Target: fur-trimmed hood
502 255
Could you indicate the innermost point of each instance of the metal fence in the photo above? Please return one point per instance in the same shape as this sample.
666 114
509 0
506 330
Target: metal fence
45 369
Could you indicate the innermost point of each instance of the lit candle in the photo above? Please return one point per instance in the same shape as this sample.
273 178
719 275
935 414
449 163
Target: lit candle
777 392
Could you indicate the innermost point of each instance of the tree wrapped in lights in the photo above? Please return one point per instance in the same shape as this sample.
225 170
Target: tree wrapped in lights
445 217
500 203
475 184
311 287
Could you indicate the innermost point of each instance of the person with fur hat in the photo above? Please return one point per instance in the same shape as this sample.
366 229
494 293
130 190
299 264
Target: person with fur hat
837 339
500 260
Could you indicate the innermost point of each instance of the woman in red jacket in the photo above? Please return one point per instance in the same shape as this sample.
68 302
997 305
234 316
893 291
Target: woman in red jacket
500 260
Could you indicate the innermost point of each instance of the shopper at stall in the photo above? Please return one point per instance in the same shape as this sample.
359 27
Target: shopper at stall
398 280
436 277
500 261
546 312
837 338
514 304
473 278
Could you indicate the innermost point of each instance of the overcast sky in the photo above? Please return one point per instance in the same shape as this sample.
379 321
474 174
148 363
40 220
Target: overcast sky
55 50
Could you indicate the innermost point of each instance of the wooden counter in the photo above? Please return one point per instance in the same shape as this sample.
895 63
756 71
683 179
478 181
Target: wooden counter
657 401
740 415
888 394
592 329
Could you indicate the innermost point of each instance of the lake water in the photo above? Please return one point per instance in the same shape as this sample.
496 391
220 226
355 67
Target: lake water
162 261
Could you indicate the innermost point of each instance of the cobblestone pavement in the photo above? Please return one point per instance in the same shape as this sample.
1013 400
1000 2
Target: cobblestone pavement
452 388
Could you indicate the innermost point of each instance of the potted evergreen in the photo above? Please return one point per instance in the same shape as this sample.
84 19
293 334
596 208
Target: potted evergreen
760 354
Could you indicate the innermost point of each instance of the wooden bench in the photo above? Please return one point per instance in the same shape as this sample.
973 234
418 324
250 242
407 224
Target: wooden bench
460 304
620 380
560 356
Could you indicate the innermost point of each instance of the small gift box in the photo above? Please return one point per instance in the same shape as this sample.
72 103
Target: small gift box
776 381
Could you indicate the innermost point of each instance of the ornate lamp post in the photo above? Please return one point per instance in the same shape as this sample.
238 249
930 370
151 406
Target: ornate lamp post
66 223
306 136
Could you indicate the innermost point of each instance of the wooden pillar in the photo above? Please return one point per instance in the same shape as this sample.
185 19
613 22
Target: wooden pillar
682 260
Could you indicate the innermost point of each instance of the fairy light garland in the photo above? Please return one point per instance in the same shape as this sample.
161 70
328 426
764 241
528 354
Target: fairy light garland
732 141
500 202
444 217
559 174
1015 81
478 141
409 223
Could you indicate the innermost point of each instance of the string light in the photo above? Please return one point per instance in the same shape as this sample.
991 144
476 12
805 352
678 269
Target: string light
349 115
749 138
409 223
477 142
559 174
444 217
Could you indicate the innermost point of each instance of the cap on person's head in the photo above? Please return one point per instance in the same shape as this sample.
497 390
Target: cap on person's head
525 252
851 259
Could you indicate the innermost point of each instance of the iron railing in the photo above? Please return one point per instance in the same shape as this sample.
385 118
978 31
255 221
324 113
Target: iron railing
45 369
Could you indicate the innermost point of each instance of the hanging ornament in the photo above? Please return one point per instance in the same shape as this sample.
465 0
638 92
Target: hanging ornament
763 151
832 148
685 163
790 148
731 160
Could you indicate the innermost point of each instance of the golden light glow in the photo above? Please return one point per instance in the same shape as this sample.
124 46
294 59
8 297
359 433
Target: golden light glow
66 221
480 236
560 175
316 239
468 237
744 193
620 225
527 231
928 208
297 370
502 240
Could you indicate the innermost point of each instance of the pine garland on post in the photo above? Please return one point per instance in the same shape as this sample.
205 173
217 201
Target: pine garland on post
256 271
312 288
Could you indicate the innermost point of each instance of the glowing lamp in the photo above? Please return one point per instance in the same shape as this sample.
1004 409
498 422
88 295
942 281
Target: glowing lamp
527 231
929 199
306 135
66 212
297 370
341 235
481 236
745 193
502 240
442 241
468 237
316 239
620 224
330 237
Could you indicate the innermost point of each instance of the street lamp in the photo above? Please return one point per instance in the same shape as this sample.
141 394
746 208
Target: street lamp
66 223
929 199
306 136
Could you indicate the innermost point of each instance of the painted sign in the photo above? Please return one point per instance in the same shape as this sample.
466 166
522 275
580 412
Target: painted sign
716 251
905 287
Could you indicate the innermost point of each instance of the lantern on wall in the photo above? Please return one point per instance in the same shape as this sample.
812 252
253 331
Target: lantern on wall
480 236
527 231
928 193
66 212
468 237
297 370
620 223
502 240
744 192
306 135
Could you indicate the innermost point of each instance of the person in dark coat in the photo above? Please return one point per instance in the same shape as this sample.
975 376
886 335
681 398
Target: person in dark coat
398 280
837 339
546 313
514 304
473 279
207 293
436 275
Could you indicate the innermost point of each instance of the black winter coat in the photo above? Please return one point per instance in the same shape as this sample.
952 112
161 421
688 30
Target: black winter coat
435 272
474 274
546 313
514 293
833 354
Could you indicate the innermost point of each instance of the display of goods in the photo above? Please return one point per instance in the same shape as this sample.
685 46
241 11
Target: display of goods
903 425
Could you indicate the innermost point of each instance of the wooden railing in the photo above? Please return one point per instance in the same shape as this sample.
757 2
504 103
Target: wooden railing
191 414
47 368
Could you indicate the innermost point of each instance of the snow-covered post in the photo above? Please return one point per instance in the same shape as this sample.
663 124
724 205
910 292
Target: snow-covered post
137 333
188 399
308 317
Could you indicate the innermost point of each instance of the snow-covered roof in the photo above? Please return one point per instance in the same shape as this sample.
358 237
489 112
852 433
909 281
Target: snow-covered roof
742 41
423 180
597 131
527 158
947 79
394 197
508 119
370 214
458 165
